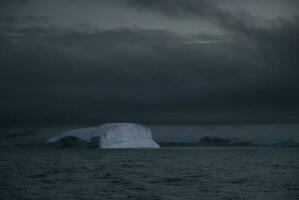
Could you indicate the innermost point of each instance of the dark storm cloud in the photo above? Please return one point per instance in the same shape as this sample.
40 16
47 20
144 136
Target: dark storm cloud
240 22
9 18
277 43
18 20
9 5
205 9
131 71
13 2
66 75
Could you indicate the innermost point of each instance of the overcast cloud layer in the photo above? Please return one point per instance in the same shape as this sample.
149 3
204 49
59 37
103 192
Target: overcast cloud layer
158 61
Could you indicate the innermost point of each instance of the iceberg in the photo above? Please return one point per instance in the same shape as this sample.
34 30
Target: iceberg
107 136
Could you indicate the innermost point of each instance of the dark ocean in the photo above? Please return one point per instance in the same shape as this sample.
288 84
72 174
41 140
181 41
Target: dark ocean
39 172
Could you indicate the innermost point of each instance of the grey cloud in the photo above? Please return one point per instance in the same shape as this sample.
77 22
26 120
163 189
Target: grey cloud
208 10
23 19
276 41
13 2
73 76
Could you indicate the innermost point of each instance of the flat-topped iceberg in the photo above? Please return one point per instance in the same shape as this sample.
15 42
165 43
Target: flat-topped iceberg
107 136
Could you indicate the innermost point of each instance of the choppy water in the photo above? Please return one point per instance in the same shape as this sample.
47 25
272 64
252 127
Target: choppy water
178 173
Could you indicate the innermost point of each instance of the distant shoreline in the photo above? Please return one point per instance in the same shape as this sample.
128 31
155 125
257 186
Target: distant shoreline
179 144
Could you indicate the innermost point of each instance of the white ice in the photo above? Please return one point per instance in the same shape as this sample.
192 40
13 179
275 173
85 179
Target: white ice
112 135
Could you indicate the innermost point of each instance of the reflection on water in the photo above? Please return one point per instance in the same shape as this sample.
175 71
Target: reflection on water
175 173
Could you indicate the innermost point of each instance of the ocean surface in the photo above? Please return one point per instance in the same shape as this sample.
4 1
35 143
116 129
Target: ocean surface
39 172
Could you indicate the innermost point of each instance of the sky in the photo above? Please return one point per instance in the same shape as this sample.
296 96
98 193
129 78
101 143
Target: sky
159 61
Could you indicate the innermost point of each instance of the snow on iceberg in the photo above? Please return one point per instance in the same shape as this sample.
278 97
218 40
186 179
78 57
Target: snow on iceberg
107 136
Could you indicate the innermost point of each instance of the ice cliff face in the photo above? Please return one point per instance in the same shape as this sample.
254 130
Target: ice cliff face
108 136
